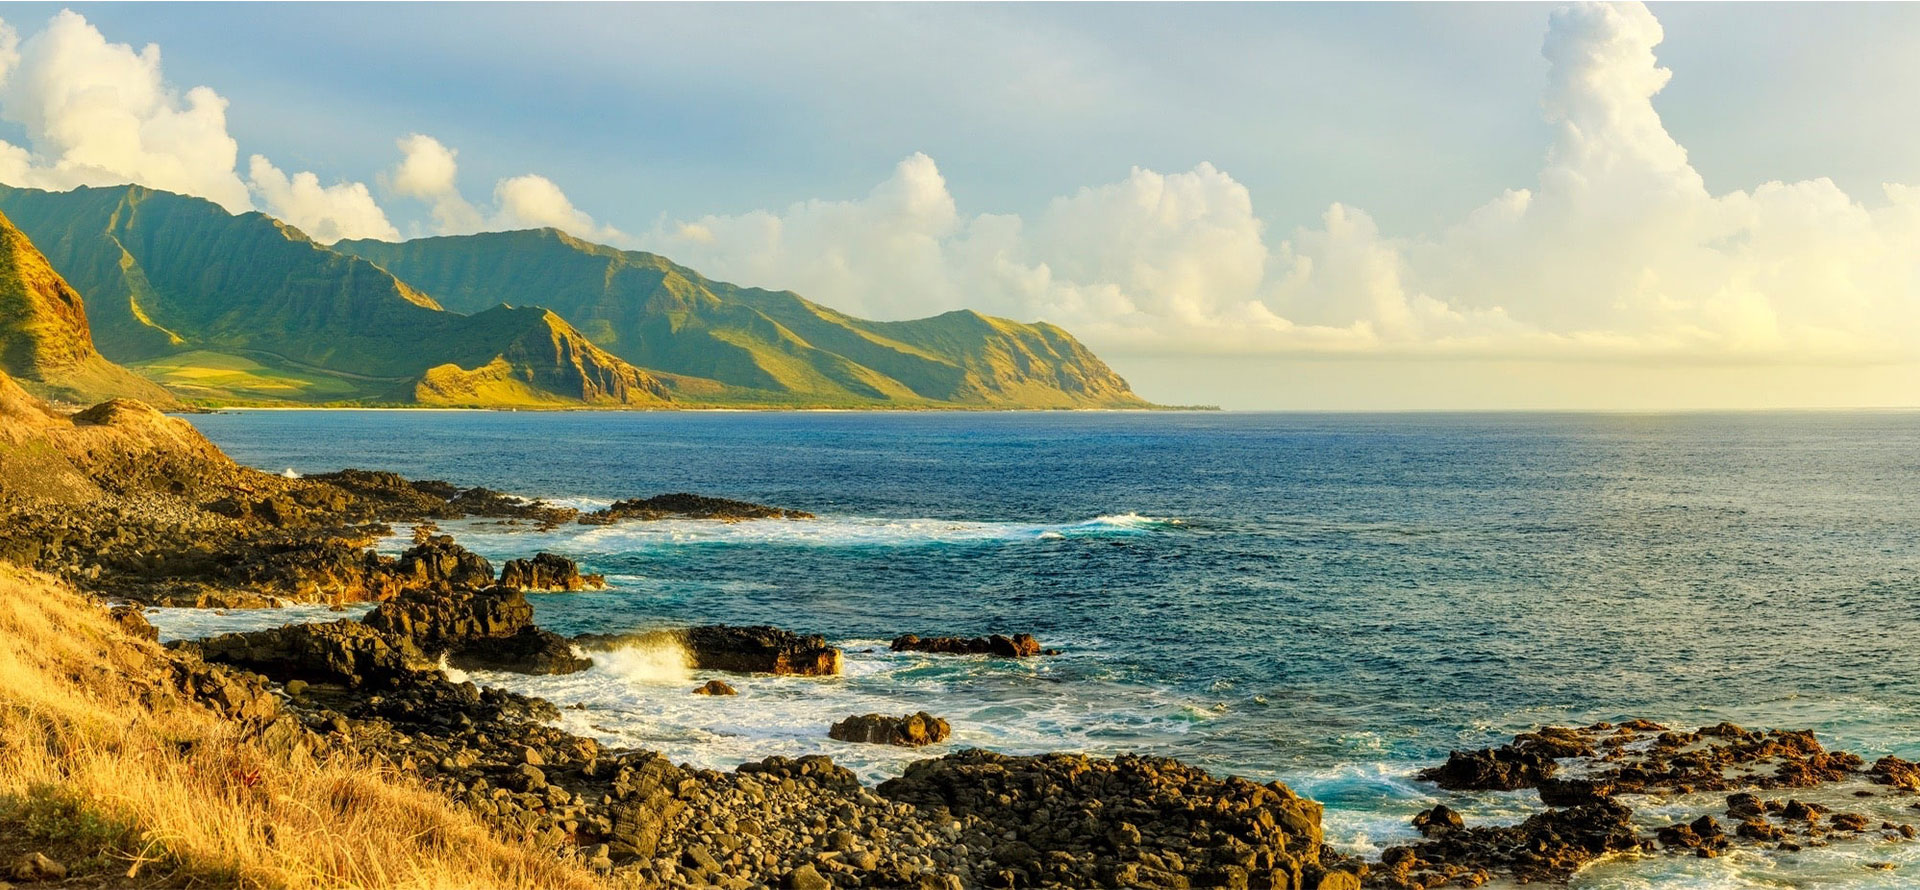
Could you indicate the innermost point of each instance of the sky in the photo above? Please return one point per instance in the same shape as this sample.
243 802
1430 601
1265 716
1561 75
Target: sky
1298 206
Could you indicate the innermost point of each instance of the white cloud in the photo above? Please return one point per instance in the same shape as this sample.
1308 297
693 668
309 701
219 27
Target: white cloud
328 213
533 201
1618 250
100 113
429 172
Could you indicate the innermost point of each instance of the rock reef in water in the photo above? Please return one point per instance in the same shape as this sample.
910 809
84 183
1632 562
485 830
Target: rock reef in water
912 731
1016 646
681 505
1588 775
739 650
548 572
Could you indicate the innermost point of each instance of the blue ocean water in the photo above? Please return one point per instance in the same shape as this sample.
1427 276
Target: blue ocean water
1331 600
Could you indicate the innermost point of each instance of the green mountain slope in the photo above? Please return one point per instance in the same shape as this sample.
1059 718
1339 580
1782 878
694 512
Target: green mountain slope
223 307
44 339
760 346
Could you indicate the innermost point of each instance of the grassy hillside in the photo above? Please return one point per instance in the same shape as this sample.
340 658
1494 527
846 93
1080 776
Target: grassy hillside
764 346
107 764
44 339
246 308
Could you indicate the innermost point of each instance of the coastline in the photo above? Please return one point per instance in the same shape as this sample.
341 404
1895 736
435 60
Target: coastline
371 688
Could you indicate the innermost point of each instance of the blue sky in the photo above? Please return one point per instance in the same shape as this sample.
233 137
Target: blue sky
1298 205
1415 111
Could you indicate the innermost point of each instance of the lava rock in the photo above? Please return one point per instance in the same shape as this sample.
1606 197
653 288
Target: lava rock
912 731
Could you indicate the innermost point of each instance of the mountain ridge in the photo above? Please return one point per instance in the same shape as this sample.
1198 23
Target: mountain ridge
660 315
202 298
45 340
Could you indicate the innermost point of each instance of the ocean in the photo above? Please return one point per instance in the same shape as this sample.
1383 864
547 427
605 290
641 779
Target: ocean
1331 600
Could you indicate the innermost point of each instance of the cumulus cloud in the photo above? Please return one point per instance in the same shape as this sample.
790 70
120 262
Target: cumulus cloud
429 172
101 113
328 213
1619 249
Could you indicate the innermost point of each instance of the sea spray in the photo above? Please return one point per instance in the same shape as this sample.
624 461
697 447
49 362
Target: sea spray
453 674
654 659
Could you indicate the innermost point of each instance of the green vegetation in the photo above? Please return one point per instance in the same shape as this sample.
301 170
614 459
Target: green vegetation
44 337
227 309
763 346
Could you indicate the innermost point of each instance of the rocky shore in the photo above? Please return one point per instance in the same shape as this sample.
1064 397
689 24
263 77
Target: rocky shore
132 506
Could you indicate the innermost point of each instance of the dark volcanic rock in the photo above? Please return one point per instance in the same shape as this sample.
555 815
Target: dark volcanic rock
546 571
345 652
134 622
714 687
1016 646
1505 768
1439 820
437 620
436 559
740 650
689 506
1548 846
1074 821
911 731
532 650
490 629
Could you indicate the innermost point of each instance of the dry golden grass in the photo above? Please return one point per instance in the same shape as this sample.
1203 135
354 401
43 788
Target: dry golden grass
94 744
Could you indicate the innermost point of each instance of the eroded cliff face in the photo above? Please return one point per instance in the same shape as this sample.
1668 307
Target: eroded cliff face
45 340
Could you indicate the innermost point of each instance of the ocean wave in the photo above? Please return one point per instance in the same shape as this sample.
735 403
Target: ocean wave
825 532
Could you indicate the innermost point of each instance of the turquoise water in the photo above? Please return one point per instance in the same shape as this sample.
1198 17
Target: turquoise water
1331 600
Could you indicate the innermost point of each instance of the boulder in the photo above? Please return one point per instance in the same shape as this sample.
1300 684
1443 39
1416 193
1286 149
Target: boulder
911 731
132 621
1439 820
547 572
714 687
1016 646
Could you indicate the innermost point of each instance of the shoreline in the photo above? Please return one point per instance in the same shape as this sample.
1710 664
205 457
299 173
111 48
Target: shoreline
190 527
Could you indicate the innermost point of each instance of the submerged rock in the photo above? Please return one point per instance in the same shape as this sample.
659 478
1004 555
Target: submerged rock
1016 646
911 731
714 687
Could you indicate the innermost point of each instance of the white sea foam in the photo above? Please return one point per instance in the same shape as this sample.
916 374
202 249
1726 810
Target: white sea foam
453 674
828 531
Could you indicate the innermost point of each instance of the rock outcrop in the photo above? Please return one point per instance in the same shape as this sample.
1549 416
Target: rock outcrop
1016 646
1065 820
347 653
548 572
912 731
739 650
486 629
681 505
